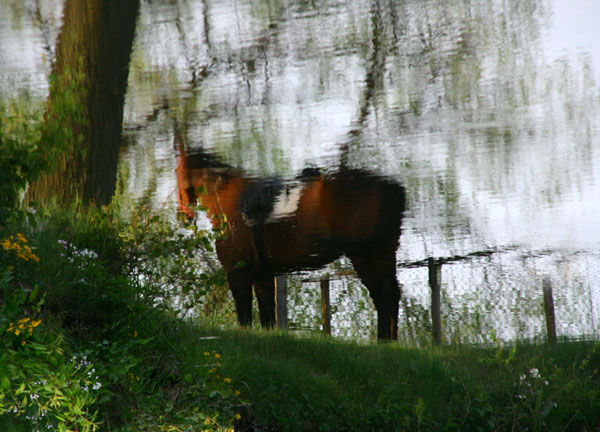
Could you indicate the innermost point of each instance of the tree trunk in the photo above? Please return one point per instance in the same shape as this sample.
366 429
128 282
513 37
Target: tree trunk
85 105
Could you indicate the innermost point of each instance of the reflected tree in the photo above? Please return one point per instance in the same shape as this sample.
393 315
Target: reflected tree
85 105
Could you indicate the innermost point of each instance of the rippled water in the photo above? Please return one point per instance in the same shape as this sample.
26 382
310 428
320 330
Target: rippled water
486 111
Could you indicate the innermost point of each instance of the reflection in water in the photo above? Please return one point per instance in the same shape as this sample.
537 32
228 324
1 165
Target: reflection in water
276 227
485 110
86 99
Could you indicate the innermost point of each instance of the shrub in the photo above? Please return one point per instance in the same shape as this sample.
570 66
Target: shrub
41 385
93 302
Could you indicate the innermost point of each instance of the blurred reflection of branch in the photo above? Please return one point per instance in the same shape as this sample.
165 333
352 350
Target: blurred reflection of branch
344 272
44 27
373 80
198 72
395 22
206 26
191 57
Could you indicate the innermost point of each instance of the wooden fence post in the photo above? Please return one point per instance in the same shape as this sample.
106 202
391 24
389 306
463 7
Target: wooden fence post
549 310
325 305
281 309
435 283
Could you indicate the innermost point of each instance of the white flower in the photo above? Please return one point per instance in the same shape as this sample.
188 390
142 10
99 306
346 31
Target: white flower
522 378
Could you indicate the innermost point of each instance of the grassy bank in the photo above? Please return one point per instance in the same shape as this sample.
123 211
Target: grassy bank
311 383
91 340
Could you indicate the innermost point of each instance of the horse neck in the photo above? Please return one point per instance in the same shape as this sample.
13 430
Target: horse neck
221 194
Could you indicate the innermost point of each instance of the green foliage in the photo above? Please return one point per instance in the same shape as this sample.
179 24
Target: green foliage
174 263
525 387
21 160
199 397
106 343
66 114
32 143
306 384
41 385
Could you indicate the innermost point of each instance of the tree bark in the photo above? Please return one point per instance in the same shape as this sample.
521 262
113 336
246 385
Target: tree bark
85 104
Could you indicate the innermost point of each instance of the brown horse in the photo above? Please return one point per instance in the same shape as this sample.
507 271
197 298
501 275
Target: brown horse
276 227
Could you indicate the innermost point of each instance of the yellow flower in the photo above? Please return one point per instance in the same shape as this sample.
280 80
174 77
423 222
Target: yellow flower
24 325
237 416
206 353
227 380
237 392
31 255
135 334
22 250
217 356
6 245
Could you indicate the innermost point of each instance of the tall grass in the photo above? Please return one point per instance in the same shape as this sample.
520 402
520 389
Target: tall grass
299 383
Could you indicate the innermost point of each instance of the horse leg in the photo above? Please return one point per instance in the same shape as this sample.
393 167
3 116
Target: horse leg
240 284
264 288
377 271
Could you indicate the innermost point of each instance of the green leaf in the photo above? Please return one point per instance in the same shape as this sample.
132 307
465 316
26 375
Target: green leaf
33 294
37 346
5 383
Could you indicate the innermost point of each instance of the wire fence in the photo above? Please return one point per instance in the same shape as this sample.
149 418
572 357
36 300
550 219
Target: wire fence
492 296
